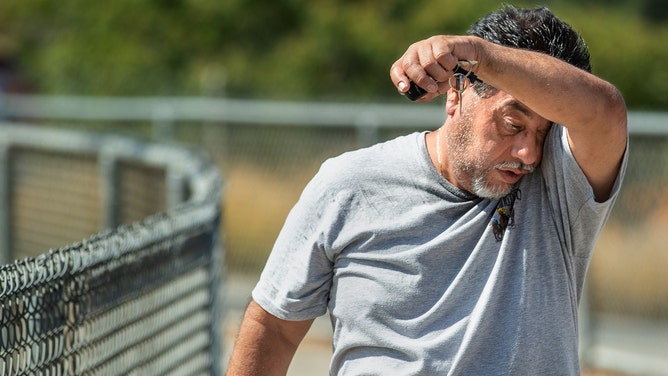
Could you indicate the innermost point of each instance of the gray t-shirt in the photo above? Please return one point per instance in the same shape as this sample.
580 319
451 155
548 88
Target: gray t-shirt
421 278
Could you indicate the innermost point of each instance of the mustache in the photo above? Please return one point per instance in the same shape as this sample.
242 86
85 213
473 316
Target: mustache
516 166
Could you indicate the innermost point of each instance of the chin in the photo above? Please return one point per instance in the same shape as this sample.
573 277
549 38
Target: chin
493 192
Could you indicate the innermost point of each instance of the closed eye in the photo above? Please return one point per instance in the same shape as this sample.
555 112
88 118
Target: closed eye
513 128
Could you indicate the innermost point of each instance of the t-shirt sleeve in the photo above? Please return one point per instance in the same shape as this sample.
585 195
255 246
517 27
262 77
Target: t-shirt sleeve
296 280
576 212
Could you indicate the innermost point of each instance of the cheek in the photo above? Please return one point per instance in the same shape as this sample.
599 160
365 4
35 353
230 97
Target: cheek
540 153
540 146
491 145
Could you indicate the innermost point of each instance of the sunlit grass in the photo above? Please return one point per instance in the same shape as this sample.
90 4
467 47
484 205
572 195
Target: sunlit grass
628 272
256 204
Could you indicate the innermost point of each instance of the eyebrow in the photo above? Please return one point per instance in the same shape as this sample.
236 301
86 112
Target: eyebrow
519 106
514 104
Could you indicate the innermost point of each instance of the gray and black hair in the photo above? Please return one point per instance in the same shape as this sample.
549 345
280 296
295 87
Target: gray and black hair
535 29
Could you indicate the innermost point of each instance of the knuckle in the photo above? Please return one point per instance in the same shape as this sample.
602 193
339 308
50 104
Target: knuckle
442 53
431 64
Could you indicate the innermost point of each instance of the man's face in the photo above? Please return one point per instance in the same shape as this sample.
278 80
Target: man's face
493 143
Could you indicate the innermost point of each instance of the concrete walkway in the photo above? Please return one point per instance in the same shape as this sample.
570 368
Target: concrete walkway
628 345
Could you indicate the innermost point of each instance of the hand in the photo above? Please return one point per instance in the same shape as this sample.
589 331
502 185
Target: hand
430 63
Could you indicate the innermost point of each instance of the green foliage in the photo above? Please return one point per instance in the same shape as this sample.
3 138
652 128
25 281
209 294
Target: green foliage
627 51
124 47
289 49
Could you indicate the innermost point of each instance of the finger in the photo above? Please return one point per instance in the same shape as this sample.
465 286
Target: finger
428 97
431 65
399 77
414 70
438 58
443 54
443 88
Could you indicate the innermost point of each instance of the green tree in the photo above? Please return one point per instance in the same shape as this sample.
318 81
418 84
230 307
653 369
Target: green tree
289 49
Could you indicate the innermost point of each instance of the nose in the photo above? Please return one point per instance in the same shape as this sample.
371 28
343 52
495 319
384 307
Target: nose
526 149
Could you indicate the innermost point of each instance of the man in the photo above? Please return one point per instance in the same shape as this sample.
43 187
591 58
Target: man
461 251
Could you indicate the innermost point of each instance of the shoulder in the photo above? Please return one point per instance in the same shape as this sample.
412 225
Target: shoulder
372 162
560 164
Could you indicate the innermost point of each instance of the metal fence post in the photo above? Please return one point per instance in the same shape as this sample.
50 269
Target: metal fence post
176 192
163 123
108 167
367 129
5 206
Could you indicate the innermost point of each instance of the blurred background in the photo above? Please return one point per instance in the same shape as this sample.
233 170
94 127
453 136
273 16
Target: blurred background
270 89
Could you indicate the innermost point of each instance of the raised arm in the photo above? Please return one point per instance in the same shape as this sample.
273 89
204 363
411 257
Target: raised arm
591 109
265 344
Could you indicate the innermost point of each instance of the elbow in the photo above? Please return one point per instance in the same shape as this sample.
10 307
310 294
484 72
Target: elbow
615 112
614 120
609 117
620 120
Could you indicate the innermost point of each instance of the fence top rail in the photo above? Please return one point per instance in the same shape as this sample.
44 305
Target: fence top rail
240 111
180 161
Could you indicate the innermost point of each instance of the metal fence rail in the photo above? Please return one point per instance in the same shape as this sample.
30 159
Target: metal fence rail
164 113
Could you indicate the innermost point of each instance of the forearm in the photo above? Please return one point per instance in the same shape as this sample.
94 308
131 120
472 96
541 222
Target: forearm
265 344
556 90
259 352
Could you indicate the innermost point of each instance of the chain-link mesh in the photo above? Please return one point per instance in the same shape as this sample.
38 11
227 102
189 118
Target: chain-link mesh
137 300
141 191
627 275
54 199
140 299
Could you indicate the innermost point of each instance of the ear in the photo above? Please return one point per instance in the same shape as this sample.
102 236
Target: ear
451 102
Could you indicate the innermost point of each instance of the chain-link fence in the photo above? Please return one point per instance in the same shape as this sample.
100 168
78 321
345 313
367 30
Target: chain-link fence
140 297
269 150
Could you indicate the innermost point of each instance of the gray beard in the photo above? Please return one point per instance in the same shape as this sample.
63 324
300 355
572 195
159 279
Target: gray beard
482 189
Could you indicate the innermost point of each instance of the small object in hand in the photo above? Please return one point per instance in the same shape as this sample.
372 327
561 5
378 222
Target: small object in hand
415 92
462 71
